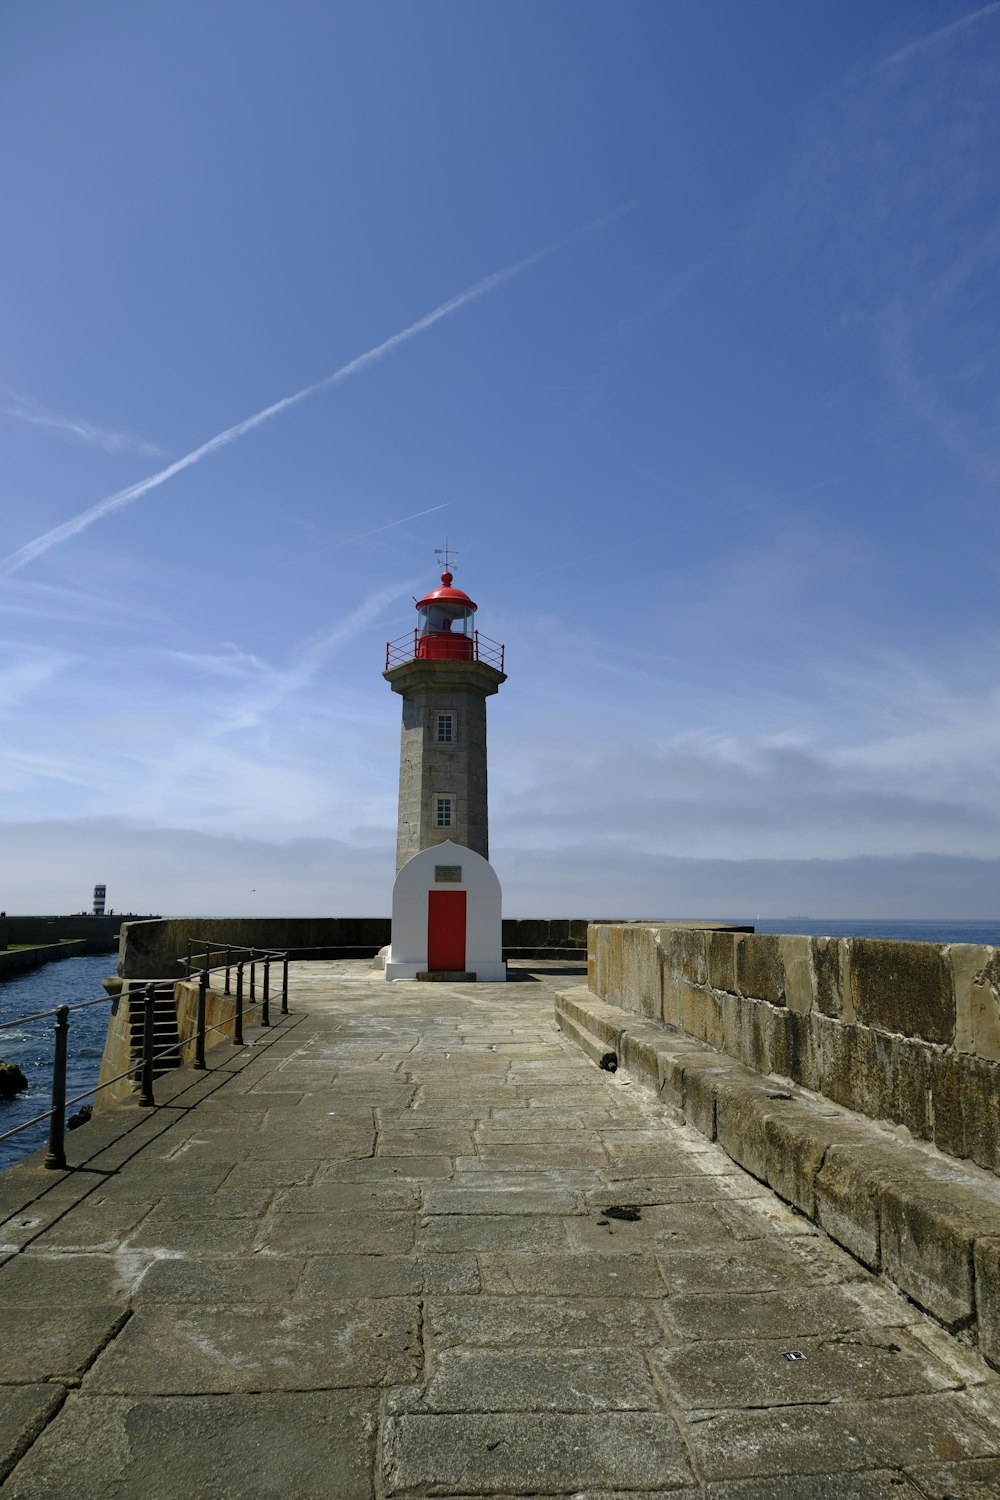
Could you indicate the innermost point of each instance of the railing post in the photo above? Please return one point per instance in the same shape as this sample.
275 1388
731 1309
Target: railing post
55 1156
284 985
199 1039
187 961
265 999
253 974
238 1018
229 964
148 1019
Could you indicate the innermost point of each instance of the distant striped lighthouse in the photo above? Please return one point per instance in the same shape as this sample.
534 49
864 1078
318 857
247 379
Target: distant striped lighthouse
100 893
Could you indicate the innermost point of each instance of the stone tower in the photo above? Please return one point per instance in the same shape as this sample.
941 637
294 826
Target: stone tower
444 671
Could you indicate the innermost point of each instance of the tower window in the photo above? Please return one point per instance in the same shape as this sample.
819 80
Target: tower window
446 729
445 817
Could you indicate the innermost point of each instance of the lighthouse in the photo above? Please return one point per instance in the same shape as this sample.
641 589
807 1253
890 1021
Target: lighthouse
444 669
446 899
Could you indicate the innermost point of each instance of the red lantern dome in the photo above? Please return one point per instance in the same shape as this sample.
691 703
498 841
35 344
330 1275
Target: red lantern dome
445 629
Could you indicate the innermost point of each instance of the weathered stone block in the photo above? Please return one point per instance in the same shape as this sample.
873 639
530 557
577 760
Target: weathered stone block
898 1078
947 1118
980 1091
741 1124
903 987
796 959
986 1261
721 959
606 1022
689 945
804 1053
700 1014
701 1075
830 962
787 1044
927 1233
846 1189
642 989
670 1078
612 989
883 1077
670 988
638 1051
795 1145
579 1032
759 969
976 973
798 1139
754 1036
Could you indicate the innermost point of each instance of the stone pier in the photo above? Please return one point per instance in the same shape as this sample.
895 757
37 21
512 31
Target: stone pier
413 1241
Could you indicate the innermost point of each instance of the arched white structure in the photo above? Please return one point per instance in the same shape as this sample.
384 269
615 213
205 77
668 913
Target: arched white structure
446 916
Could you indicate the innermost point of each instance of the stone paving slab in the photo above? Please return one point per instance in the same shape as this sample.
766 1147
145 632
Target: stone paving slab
531 1453
24 1412
412 1242
311 1446
45 1342
171 1351
545 1322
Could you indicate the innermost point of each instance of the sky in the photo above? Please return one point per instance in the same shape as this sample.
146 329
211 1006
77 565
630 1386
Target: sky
676 320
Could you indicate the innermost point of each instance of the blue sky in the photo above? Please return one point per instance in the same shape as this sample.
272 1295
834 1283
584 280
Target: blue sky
677 319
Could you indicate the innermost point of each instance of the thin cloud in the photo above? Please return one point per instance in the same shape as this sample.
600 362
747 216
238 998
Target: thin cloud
41 544
104 438
931 40
310 660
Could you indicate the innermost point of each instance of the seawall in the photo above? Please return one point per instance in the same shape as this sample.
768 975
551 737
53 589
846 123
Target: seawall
903 1032
156 948
857 1078
17 960
100 934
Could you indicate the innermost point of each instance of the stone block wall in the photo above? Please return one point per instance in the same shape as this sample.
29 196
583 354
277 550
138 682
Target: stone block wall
154 949
907 1033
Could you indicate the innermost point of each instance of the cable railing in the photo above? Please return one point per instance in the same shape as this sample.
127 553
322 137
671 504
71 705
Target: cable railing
416 647
142 1069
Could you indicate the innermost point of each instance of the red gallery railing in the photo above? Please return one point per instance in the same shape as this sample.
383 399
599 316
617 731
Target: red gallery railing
413 647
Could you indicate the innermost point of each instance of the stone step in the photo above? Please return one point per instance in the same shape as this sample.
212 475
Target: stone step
446 976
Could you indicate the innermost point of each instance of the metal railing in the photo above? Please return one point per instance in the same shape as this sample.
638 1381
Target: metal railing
406 648
144 1070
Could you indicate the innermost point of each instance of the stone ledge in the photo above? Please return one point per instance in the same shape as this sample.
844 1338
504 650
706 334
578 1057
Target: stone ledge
930 1224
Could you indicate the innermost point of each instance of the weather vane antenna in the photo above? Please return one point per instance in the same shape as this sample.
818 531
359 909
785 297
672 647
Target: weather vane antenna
447 553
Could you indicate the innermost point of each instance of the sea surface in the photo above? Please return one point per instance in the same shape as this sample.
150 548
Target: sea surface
908 932
30 1046
74 979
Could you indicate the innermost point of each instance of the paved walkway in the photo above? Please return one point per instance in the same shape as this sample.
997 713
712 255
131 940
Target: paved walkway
412 1242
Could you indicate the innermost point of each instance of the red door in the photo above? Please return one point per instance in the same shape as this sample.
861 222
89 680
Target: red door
446 930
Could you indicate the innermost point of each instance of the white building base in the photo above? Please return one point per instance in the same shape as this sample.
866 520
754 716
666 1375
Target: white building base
485 973
445 869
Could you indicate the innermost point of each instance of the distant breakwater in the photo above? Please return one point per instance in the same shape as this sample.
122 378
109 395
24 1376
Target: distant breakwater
17 960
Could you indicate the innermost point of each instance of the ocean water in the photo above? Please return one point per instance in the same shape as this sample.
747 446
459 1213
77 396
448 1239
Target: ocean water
909 932
30 1046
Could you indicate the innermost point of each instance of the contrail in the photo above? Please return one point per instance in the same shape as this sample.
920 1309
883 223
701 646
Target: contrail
932 37
26 554
332 546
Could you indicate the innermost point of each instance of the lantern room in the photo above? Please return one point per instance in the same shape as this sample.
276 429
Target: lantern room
445 629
